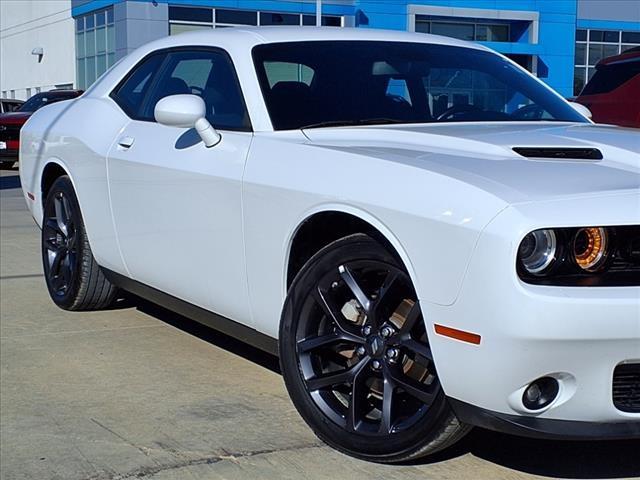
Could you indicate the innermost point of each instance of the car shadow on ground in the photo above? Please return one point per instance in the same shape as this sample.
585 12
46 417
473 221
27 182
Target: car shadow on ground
558 459
203 332
550 458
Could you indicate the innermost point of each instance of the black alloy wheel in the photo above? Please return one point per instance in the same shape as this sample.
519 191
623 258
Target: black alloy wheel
60 244
74 279
356 358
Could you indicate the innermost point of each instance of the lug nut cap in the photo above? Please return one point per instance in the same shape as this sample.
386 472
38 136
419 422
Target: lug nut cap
387 331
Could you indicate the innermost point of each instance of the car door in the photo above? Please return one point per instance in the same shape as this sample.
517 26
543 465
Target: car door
176 203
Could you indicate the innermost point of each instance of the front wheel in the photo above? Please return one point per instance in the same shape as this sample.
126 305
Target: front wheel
356 359
74 279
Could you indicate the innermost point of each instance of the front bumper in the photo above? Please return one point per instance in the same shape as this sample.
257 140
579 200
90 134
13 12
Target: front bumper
577 335
543 428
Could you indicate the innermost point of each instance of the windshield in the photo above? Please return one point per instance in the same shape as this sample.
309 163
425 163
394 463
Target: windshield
329 83
39 100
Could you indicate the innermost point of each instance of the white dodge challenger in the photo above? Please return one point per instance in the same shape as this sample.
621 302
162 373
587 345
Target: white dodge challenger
428 236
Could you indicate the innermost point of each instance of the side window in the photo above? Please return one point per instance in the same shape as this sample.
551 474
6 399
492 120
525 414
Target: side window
288 72
208 74
131 93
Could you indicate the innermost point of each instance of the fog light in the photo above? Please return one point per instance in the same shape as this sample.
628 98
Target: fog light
540 393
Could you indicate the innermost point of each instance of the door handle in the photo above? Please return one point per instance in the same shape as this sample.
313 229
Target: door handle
125 142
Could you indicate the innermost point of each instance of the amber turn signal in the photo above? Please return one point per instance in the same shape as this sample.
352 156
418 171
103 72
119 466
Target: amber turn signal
590 248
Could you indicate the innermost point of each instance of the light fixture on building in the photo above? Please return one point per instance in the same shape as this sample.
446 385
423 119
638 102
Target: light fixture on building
39 51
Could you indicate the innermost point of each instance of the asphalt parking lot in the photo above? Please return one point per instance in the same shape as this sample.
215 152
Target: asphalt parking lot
138 392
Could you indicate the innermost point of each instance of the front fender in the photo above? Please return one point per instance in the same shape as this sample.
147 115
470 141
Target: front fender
358 213
432 220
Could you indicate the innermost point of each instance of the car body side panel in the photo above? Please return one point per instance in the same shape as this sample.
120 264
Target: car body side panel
178 213
60 133
435 219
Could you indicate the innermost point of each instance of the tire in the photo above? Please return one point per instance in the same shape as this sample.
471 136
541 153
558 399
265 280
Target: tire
74 279
352 328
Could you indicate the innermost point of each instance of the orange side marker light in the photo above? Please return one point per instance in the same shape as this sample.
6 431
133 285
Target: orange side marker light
461 335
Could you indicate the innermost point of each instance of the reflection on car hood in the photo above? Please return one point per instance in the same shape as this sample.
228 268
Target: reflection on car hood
482 155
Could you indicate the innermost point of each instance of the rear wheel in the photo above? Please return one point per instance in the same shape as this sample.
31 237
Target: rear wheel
74 279
356 359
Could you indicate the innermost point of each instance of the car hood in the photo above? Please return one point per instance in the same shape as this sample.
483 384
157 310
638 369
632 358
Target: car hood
482 155
14 118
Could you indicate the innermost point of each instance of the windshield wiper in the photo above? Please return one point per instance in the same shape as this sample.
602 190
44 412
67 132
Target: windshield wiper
348 123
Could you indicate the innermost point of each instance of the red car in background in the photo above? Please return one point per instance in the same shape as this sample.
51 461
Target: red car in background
613 93
11 123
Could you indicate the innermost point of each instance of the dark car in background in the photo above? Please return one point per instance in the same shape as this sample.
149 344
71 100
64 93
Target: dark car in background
9 105
11 123
613 93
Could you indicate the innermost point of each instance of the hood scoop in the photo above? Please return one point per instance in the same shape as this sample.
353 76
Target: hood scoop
561 153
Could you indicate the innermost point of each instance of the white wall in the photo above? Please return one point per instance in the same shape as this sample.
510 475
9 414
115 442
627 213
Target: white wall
25 25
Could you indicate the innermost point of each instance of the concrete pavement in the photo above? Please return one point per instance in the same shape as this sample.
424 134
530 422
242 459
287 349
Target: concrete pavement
139 392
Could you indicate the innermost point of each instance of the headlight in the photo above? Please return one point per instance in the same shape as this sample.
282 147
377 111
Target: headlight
538 250
590 248
581 256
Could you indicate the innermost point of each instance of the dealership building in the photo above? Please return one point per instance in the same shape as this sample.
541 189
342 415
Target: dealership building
560 41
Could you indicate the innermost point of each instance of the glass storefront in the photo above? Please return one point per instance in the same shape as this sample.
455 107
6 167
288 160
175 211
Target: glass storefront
184 19
95 46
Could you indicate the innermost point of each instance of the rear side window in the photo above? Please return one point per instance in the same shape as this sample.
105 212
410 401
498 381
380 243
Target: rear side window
610 77
10 106
288 72
131 92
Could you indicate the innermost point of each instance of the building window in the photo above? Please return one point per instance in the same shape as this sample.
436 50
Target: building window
594 45
95 46
191 14
327 21
229 18
185 19
464 30
269 18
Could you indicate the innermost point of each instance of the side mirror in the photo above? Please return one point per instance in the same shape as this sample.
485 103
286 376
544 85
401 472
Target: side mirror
186 111
581 109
